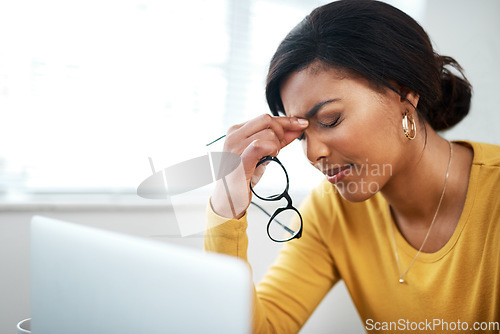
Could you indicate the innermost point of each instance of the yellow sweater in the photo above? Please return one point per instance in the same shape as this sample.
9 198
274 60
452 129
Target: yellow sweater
454 290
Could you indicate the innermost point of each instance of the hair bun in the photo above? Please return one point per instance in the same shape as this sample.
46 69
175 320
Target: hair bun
453 103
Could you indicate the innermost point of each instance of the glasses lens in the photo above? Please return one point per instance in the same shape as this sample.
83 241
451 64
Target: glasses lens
285 225
273 181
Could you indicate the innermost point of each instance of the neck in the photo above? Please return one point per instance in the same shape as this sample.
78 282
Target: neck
416 188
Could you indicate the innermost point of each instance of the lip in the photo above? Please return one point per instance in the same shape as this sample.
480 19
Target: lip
337 174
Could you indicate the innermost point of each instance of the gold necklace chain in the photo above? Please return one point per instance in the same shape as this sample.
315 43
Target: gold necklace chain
402 275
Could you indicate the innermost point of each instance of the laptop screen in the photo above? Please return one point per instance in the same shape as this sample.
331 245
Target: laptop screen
86 280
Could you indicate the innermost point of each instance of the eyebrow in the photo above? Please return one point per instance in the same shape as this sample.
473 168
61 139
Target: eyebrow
314 110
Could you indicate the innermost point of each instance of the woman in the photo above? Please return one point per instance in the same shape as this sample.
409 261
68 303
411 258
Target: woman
417 244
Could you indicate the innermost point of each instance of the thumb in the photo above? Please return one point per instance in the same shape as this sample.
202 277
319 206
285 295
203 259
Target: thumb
291 135
295 128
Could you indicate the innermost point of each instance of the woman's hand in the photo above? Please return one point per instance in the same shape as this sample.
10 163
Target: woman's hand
252 141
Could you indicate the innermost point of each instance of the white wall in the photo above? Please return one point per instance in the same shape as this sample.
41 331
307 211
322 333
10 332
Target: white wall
469 31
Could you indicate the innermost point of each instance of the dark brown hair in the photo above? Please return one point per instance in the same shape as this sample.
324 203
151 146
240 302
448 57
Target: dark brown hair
381 43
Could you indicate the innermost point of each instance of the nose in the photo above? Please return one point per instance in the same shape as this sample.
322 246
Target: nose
315 149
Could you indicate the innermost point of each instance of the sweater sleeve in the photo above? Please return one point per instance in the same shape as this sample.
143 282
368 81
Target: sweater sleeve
295 284
226 236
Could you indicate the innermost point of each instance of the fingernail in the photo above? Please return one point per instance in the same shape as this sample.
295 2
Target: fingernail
302 121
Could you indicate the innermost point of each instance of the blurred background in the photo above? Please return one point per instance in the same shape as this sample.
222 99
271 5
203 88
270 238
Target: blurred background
90 89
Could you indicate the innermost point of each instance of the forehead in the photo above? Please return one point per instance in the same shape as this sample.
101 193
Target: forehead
315 84
303 89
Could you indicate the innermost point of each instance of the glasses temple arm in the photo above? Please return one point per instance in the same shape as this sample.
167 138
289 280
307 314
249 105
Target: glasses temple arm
267 213
213 141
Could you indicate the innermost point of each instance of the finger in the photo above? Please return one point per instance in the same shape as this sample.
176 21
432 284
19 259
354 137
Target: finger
257 175
289 137
292 127
267 135
254 152
262 127
279 124
234 128
239 145
292 123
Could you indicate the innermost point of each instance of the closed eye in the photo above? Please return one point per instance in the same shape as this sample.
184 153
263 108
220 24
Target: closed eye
332 124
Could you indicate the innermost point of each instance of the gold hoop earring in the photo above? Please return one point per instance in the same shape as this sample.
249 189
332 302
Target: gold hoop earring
410 132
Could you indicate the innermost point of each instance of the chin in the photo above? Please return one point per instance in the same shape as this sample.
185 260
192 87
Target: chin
354 192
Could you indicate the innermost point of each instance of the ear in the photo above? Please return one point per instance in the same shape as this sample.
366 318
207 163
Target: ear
409 99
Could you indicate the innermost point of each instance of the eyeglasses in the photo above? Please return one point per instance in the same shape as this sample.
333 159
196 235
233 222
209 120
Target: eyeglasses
273 186
289 224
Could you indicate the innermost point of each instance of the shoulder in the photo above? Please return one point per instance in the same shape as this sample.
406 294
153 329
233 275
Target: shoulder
482 201
484 154
485 170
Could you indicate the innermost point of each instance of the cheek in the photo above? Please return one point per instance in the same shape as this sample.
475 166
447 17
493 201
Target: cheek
376 130
345 140
365 140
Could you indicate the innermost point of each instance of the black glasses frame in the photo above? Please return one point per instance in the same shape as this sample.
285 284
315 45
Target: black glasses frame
284 195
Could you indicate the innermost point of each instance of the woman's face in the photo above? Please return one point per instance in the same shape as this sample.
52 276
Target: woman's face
355 136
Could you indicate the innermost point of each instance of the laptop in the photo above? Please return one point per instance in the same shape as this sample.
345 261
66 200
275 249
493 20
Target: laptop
86 280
